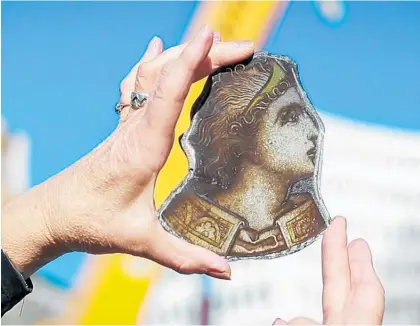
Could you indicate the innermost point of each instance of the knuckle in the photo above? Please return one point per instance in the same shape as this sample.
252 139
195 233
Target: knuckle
175 91
183 267
159 93
144 69
166 70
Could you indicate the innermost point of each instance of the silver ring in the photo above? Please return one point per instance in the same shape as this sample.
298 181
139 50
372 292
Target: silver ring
119 107
138 100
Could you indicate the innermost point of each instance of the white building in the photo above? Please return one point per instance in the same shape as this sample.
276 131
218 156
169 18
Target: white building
371 175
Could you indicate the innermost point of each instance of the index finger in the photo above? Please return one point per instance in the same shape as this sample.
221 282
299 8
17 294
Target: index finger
174 83
335 268
221 54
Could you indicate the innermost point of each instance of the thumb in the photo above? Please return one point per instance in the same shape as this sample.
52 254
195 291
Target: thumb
174 83
183 257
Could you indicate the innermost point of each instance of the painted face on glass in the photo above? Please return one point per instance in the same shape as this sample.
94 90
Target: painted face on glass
287 136
253 149
256 116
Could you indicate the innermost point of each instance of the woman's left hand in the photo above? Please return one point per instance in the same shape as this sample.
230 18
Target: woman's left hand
104 202
353 293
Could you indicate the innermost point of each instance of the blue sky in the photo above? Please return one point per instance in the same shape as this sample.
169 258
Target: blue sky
62 63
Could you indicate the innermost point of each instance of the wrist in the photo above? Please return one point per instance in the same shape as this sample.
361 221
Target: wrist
81 195
26 236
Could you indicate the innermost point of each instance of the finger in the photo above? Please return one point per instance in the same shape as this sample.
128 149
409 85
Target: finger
154 48
174 52
335 268
279 321
221 54
174 83
224 54
147 70
128 84
184 257
368 297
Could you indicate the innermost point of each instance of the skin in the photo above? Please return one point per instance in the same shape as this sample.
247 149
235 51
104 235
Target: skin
104 202
352 292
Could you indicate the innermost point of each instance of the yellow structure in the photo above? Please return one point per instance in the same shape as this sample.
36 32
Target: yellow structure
108 293
235 20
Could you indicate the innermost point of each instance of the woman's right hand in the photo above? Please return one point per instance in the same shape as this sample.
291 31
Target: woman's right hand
104 202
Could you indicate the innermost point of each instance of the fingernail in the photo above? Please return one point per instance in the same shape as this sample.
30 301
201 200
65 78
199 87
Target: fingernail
279 321
220 271
154 43
245 44
151 46
341 218
220 275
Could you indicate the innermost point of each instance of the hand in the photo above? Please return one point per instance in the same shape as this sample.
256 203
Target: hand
353 293
104 202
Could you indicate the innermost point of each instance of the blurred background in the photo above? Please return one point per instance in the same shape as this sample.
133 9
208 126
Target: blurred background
62 63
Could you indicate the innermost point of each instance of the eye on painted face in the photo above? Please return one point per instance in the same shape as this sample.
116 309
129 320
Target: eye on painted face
287 137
